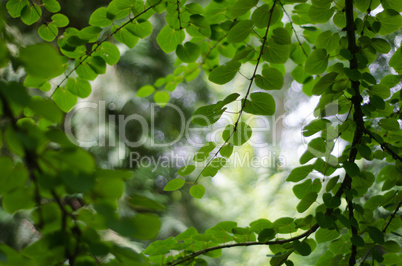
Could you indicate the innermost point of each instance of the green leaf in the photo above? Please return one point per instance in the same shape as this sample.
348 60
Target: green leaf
396 60
110 53
306 187
214 166
375 234
84 70
281 36
299 173
14 7
125 36
169 38
323 235
240 136
41 60
306 201
99 18
64 99
380 45
271 79
327 40
266 235
79 87
351 168
52 5
315 126
261 16
225 73
317 62
331 201
260 103
186 170
241 7
197 191
141 30
240 31
174 184
90 33
189 52
31 14
204 151
21 198
320 14
303 248
357 241
145 91
390 20
392 4
390 124
161 98
45 108
390 80
145 226
60 20
207 115
276 53
324 83
48 32
226 150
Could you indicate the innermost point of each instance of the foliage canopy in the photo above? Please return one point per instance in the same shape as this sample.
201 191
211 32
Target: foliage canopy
330 47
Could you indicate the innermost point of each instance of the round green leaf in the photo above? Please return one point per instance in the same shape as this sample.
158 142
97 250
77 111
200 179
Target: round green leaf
31 14
14 7
197 191
240 31
189 52
303 248
306 201
271 79
161 98
168 38
79 87
99 18
60 20
260 103
51 5
110 53
174 184
140 30
186 170
390 20
261 16
240 136
145 91
224 74
317 62
320 14
64 99
276 53
48 32
375 234
41 60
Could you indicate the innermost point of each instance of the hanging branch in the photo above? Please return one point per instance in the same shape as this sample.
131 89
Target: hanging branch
100 43
247 93
293 28
41 17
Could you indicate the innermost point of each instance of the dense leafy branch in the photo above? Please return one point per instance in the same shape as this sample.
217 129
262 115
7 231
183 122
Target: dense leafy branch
98 44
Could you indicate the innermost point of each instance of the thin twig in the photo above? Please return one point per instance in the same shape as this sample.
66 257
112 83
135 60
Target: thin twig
245 97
